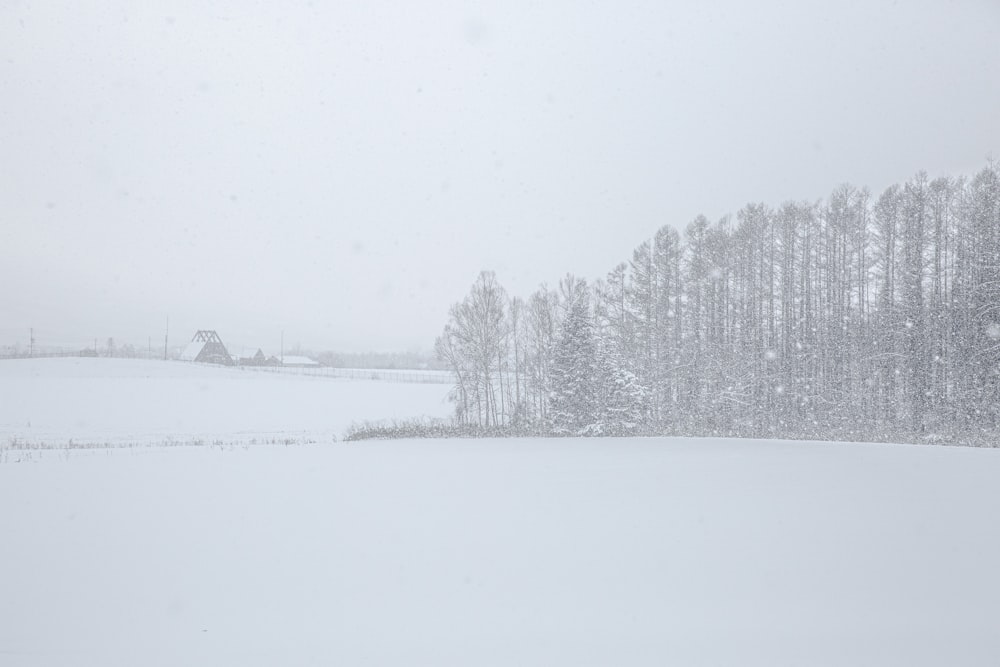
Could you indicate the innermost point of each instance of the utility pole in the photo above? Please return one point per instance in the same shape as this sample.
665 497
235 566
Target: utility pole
166 338
31 342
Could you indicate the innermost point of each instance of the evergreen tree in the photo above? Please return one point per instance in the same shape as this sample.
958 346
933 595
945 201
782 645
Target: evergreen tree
573 395
622 399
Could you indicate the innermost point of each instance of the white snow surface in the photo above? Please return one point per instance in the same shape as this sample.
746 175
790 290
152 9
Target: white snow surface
491 552
90 401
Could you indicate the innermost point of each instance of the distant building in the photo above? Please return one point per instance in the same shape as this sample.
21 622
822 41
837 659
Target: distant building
255 359
206 347
290 361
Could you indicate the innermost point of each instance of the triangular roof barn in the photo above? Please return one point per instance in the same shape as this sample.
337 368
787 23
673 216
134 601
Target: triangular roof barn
207 347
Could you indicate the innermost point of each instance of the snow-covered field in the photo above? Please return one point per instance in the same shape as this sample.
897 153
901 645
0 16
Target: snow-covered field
131 401
518 552
490 552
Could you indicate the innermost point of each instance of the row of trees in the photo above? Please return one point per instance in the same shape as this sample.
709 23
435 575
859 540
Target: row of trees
857 317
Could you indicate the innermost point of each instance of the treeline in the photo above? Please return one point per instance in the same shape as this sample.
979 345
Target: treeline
379 360
859 317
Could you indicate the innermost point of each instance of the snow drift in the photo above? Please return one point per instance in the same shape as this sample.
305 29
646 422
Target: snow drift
57 402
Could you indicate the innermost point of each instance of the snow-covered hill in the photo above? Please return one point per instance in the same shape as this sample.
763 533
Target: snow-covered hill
130 401
519 552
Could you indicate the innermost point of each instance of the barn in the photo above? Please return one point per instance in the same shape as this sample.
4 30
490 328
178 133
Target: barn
207 347
255 359
290 361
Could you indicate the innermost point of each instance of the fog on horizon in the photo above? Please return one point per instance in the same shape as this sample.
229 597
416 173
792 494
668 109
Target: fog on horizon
342 173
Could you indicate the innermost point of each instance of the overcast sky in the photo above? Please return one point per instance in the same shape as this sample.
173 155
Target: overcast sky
343 170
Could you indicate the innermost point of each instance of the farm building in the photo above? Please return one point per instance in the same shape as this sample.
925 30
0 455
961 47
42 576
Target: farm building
254 359
207 347
290 361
